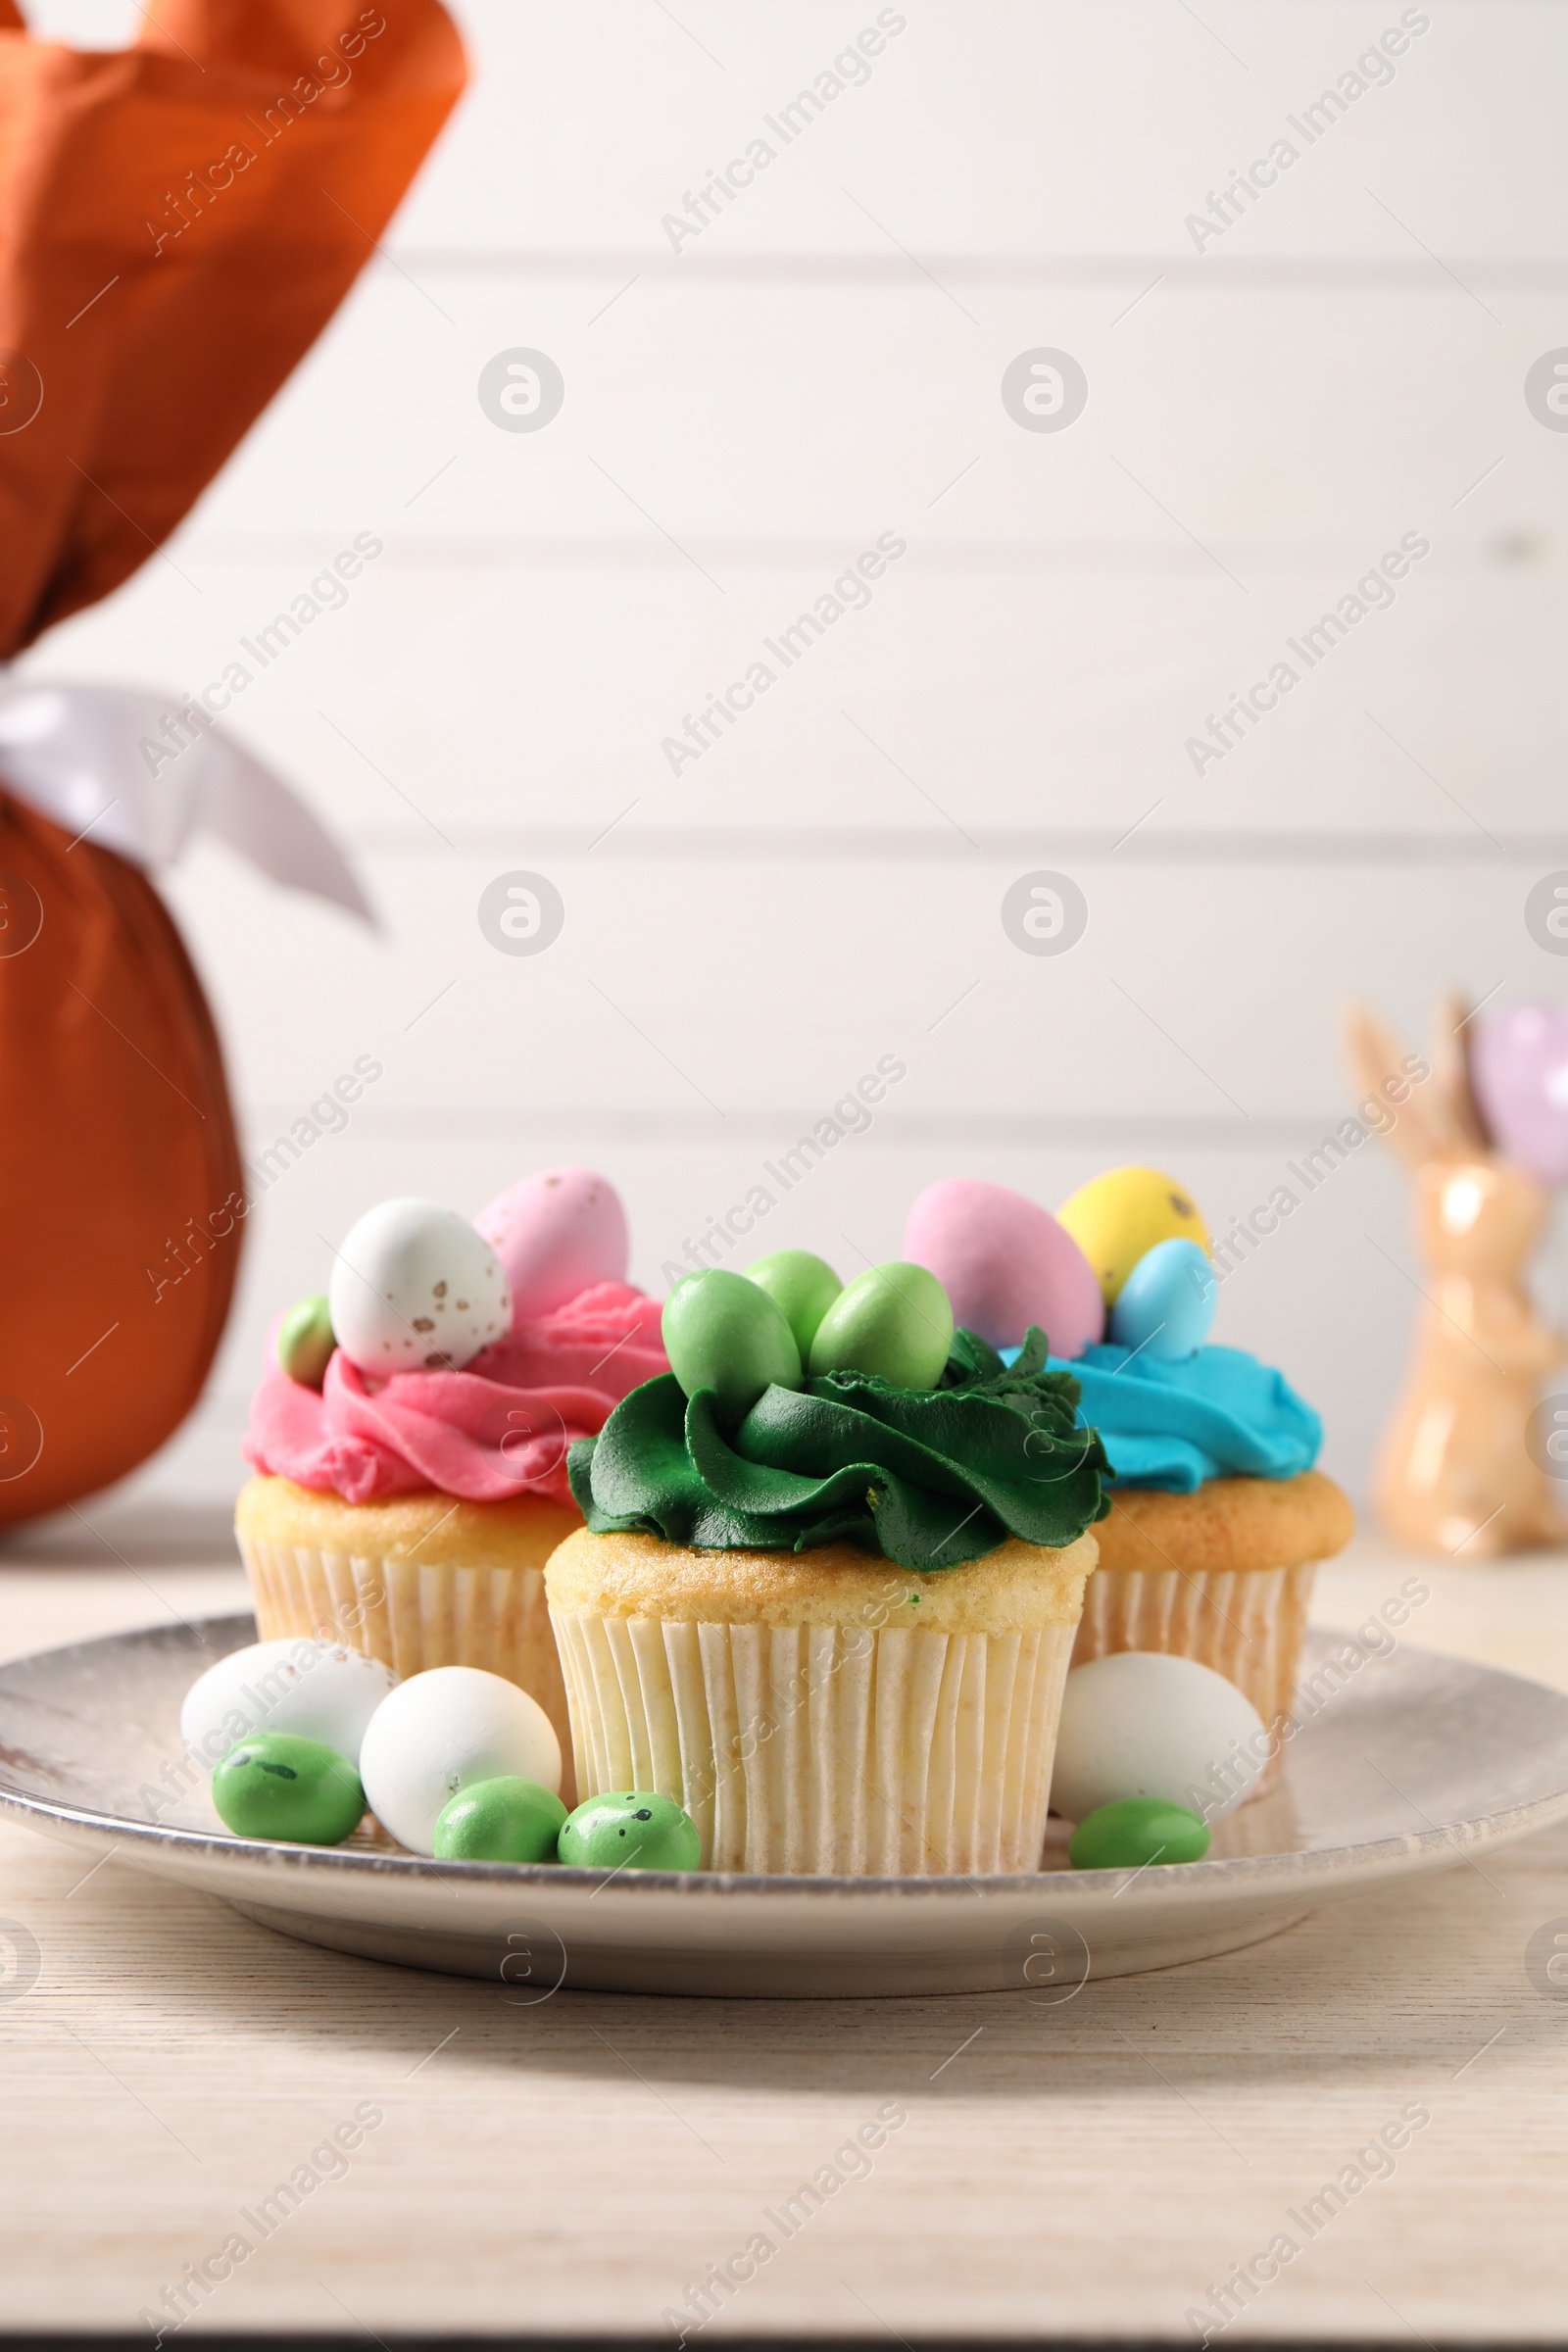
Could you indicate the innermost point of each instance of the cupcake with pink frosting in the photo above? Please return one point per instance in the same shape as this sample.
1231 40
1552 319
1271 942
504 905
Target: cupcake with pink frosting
411 1431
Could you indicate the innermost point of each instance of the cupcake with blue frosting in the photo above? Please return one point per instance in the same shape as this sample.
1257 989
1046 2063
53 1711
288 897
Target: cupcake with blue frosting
1217 1516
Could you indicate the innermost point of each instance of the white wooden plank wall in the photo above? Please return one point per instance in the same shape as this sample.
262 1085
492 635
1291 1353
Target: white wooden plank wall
742 417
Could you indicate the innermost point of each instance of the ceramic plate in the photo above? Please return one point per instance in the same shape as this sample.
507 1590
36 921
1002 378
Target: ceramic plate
1408 1764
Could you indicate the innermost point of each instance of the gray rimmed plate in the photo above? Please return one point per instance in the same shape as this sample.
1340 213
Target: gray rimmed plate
1408 1763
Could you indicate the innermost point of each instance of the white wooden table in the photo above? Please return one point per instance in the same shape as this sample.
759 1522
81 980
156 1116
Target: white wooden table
1094 2169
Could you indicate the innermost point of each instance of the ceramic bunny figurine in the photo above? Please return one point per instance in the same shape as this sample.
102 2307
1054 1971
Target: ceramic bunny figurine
1454 1474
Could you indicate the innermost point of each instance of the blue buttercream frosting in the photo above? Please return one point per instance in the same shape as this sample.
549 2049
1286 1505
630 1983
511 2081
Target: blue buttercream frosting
1217 1414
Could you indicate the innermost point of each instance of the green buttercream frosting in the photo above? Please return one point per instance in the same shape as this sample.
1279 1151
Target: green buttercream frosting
929 1478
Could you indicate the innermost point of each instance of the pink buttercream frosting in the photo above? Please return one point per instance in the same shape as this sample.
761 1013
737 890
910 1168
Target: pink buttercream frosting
501 1427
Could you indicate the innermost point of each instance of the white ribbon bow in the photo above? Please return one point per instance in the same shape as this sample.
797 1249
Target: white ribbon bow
142 777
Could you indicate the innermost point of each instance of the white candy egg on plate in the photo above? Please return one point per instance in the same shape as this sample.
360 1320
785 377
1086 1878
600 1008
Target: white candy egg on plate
416 1288
316 1690
1141 1723
443 1729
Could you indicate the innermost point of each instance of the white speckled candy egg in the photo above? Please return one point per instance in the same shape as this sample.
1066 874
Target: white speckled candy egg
1141 1723
414 1288
315 1689
442 1731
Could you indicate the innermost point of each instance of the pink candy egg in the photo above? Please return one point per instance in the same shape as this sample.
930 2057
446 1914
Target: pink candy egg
1519 1069
555 1234
1005 1262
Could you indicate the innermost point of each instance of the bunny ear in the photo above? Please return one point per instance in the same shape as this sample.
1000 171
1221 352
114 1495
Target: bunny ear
1451 1016
1422 1130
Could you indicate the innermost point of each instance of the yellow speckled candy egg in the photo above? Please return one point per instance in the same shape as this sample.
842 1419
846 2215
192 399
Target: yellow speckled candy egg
1115 1217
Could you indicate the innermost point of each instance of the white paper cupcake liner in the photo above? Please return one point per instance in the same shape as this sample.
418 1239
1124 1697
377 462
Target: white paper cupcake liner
1247 1623
825 1749
412 1616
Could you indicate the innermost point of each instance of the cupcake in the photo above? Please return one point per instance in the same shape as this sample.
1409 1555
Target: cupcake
1218 1518
1221 1572
829 1581
412 1428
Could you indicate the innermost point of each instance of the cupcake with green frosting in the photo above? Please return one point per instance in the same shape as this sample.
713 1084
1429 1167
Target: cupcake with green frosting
830 1577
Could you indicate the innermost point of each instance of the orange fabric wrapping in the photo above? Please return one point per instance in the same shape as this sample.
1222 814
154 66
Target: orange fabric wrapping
178 223
120 1188
205 277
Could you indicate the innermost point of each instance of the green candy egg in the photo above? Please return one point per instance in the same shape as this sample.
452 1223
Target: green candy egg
500 1821
893 1320
801 1286
630 1829
277 1785
305 1341
1135 1831
724 1333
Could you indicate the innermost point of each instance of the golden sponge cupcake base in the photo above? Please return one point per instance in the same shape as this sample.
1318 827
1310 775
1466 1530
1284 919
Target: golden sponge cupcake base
823 1712
1223 1575
419 1581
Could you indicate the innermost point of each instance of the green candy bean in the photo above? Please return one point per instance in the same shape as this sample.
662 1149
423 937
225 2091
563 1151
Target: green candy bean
279 1785
630 1829
1136 1830
305 1341
893 1320
801 1286
506 1819
724 1333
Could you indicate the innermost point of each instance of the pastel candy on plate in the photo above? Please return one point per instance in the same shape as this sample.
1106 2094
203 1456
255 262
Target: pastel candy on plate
1114 1218
1166 1307
507 1820
1134 1833
630 1829
441 1731
555 1234
416 1288
316 1690
1142 1723
1004 1263
278 1786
